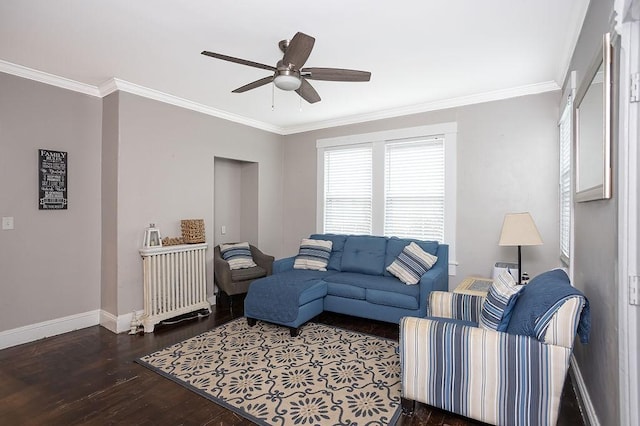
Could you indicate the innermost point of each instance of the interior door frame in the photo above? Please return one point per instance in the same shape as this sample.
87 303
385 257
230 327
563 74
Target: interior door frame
628 26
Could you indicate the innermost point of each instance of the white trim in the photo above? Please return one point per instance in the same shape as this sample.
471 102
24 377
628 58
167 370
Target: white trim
628 215
121 323
496 95
114 84
385 135
43 77
575 25
110 321
31 332
583 394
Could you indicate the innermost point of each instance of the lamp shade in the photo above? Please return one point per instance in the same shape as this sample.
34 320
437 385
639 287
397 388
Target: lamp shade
519 229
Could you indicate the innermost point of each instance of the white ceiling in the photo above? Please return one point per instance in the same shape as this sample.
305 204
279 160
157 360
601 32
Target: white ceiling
423 54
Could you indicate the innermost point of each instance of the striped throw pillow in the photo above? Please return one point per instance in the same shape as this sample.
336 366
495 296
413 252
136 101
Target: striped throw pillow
237 255
497 306
313 254
411 264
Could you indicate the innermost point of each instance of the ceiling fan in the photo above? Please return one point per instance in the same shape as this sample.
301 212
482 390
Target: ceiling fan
288 73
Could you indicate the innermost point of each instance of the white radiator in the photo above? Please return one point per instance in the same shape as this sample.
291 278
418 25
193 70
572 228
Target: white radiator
175 282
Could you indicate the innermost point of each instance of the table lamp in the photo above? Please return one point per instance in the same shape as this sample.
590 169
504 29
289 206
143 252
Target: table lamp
519 229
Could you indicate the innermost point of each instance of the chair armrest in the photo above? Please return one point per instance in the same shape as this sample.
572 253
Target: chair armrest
454 305
221 270
265 261
285 264
494 377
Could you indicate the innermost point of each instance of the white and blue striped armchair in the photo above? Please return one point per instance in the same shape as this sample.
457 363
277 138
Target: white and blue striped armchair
495 377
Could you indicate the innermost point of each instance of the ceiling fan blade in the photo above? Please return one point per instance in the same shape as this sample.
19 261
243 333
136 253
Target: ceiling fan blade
254 84
238 60
335 74
298 50
307 92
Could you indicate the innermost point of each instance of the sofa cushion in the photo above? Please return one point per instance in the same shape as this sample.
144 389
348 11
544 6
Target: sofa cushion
238 255
247 273
346 290
391 298
279 296
376 282
411 264
499 303
395 246
336 250
313 254
364 254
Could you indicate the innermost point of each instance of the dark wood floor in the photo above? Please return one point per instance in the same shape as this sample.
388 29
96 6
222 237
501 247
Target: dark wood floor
88 377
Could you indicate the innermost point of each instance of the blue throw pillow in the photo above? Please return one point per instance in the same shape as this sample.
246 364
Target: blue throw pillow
497 307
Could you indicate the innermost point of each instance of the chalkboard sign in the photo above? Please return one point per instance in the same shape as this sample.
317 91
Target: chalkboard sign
52 166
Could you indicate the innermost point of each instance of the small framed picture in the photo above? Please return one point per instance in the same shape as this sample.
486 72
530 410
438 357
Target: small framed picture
52 180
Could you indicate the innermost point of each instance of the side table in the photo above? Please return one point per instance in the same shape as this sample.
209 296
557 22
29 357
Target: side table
476 286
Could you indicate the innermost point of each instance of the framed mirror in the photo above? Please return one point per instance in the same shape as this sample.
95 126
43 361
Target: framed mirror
593 128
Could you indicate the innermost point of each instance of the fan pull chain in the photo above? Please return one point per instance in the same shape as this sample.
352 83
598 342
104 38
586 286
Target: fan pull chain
300 100
273 95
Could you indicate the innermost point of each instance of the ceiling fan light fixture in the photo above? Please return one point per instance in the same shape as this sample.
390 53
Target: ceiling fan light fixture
287 81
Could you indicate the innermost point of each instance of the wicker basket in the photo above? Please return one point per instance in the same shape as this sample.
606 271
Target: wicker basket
192 231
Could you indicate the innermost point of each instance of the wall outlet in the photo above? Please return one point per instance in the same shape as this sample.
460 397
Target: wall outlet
7 223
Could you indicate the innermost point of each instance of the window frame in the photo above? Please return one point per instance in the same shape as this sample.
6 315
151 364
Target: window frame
447 131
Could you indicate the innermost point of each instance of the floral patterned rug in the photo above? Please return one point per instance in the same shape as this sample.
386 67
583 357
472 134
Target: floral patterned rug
326 375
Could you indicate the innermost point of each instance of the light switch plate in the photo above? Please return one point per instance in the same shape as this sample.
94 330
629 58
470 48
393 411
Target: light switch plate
7 223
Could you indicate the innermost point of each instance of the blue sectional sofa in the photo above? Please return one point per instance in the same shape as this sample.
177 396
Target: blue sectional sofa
356 282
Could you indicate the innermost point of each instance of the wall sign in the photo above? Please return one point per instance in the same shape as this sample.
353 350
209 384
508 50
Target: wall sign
52 167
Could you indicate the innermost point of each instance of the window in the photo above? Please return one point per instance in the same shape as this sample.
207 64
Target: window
565 182
347 189
414 189
394 183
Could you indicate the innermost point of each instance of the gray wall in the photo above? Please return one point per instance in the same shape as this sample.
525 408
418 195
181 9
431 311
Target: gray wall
507 161
228 200
50 262
236 201
595 254
166 173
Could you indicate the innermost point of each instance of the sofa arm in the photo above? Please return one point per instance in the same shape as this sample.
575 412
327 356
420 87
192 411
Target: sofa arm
265 261
453 305
494 377
285 264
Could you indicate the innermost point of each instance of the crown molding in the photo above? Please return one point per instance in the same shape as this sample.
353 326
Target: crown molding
116 84
531 89
43 77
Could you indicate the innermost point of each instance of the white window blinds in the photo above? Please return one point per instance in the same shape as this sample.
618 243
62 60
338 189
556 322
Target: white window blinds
348 190
565 181
415 189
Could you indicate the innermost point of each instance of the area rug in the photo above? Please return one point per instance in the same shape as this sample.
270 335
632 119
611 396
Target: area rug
326 375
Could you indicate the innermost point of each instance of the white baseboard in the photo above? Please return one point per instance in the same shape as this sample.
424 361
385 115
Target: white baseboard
583 394
119 324
31 332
